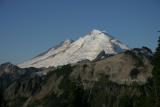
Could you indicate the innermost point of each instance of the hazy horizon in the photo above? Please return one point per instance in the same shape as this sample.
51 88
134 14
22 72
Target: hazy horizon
28 28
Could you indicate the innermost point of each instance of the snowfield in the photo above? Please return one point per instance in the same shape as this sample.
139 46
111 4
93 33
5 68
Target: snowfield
87 47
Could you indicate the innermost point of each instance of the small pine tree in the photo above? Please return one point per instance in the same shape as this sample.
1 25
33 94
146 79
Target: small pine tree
156 62
156 74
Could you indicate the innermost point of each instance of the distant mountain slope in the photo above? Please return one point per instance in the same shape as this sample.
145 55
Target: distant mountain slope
87 47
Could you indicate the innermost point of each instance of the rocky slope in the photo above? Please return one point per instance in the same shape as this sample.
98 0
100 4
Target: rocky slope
121 80
68 52
10 73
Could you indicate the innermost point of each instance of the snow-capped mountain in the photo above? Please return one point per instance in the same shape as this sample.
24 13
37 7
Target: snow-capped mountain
87 47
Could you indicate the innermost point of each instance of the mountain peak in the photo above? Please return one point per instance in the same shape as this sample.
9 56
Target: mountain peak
87 47
96 31
98 34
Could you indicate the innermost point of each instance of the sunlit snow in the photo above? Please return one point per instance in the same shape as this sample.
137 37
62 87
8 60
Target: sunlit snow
87 47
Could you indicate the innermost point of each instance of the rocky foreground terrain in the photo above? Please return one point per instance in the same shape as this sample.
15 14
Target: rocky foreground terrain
121 80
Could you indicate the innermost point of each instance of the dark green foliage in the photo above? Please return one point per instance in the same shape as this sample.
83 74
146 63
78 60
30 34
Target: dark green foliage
18 102
143 101
62 70
77 96
3 103
133 74
156 61
111 94
156 74
125 101
74 95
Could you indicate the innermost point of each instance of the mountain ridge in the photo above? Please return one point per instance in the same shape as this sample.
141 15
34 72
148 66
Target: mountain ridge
99 83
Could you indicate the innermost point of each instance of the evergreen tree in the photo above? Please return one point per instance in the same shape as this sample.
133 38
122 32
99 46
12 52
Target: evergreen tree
156 74
156 62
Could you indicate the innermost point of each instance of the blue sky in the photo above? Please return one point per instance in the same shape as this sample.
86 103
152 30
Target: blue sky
29 27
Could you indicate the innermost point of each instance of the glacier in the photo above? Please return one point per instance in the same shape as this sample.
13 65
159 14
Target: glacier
69 51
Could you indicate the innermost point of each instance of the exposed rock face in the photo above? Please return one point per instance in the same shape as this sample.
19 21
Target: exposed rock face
8 73
102 83
119 69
